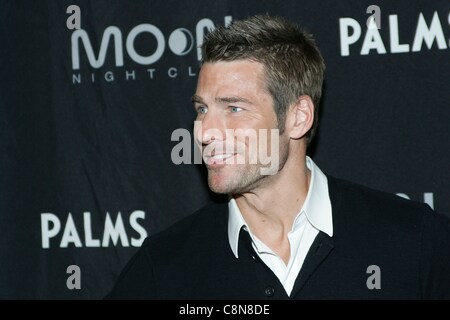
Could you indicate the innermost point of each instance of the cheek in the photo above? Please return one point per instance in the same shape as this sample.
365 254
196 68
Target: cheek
198 131
252 122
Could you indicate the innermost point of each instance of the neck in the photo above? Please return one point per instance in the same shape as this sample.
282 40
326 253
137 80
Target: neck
271 208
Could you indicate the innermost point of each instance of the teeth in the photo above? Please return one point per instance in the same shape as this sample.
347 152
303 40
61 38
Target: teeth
222 156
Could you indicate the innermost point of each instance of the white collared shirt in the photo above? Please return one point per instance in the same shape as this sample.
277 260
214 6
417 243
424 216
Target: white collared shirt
314 216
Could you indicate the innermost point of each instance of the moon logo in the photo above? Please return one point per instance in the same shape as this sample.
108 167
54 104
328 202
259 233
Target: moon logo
181 41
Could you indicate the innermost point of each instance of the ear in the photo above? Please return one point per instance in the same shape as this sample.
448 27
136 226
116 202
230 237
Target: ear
300 117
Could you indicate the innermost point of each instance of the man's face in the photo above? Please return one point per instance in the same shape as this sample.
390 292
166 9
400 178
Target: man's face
236 126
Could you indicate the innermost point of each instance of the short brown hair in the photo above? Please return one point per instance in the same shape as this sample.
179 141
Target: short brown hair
291 59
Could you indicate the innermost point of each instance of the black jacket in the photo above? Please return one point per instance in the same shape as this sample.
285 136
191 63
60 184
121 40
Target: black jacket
407 241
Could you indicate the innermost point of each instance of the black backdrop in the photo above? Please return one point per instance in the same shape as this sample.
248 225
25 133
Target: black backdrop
86 170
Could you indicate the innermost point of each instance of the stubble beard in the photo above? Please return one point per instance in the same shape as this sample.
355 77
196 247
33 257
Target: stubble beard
244 178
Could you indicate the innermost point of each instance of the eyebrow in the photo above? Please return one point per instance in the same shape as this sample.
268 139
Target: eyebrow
232 100
197 99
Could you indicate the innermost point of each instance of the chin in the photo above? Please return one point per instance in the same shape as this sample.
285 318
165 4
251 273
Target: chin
219 187
220 184
219 190
233 182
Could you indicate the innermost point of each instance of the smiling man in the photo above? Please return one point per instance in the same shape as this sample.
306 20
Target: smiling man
289 231
236 124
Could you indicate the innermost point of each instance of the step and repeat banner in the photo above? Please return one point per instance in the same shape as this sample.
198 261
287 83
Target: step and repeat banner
95 103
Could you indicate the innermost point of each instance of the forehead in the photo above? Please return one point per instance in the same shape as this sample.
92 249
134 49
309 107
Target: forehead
240 75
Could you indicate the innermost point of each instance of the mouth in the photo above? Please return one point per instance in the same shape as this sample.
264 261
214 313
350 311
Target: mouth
219 159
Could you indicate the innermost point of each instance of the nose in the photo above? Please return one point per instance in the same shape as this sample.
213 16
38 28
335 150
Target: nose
209 128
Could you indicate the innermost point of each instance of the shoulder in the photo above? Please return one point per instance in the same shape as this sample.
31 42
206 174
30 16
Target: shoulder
162 254
343 191
408 239
351 201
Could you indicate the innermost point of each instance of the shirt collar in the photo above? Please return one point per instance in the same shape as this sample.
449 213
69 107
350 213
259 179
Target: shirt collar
317 208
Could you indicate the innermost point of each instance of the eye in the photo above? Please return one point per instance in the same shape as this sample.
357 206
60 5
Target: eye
202 110
235 109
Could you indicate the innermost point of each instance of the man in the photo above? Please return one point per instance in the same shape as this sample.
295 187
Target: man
288 231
